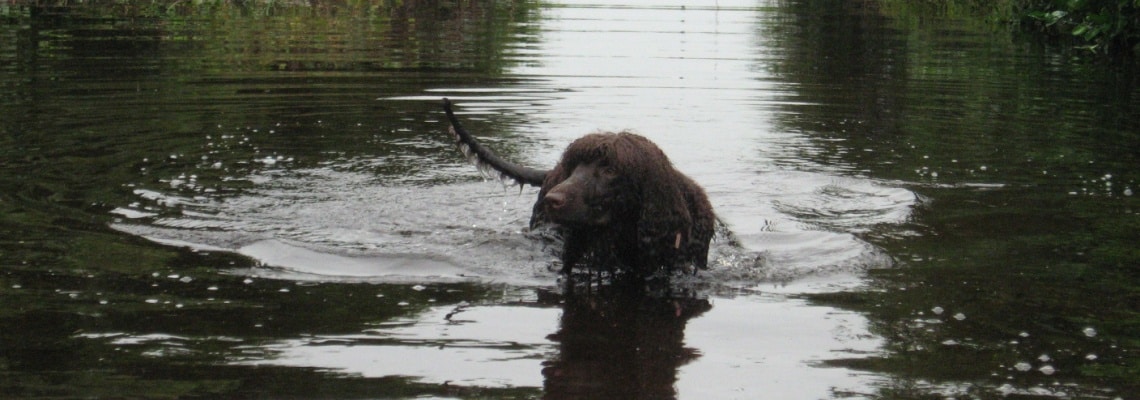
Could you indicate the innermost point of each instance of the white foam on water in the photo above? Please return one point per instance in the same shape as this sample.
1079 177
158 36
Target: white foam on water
325 224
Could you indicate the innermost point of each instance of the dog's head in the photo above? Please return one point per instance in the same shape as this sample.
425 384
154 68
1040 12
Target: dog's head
587 197
607 176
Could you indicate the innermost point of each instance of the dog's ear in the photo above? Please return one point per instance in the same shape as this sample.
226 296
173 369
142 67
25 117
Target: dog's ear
664 221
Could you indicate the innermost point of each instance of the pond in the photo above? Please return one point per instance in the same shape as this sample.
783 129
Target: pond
260 200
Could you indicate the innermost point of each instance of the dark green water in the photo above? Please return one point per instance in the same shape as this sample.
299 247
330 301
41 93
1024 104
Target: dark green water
262 202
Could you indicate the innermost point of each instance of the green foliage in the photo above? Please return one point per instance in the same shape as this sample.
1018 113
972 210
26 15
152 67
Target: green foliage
1104 27
1110 27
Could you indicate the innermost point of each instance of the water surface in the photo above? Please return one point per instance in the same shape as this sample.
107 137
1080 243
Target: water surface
262 202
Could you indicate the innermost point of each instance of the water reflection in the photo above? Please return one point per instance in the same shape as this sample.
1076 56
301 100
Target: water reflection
317 230
289 164
614 342
609 342
495 345
1012 150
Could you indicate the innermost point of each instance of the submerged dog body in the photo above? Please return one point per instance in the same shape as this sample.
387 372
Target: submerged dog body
616 199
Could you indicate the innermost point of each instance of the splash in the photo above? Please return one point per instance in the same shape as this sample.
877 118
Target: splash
325 224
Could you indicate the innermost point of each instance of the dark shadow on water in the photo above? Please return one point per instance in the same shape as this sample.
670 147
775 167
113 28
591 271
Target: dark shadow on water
619 341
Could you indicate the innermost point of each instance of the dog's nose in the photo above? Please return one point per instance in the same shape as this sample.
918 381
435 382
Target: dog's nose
555 200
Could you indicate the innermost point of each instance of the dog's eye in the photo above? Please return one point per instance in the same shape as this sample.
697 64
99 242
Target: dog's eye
609 171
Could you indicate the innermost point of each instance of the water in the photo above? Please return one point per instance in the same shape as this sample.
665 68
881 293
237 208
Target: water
263 202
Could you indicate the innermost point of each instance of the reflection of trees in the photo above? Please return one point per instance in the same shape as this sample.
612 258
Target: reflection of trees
1024 267
620 343
892 91
167 75
847 74
285 36
75 347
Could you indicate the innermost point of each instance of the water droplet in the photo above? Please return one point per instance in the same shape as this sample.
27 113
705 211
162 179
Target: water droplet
1006 389
950 342
1047 370
1089 331
402 303
284 290
212 288
186 279
1091 357
247 281
1022 366
1044 358
983 168
418 288
959 316
152 301
937 310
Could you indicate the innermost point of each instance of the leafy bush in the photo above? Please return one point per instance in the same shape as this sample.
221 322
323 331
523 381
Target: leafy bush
1104 26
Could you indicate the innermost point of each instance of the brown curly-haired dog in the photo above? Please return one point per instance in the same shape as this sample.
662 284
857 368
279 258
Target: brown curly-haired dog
616 199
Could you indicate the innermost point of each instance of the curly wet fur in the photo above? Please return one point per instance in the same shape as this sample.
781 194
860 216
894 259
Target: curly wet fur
640 216
660 218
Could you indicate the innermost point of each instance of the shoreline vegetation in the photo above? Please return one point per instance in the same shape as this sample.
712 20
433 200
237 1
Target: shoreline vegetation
1104 29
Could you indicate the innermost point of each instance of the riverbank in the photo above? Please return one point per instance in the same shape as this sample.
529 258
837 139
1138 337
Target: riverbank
1098 29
